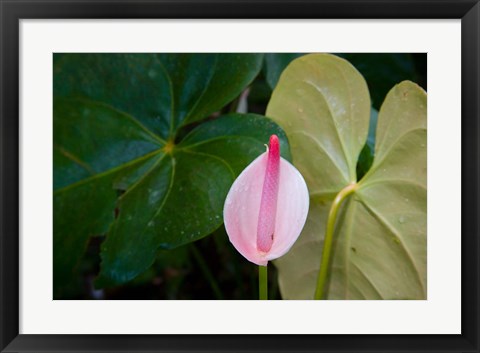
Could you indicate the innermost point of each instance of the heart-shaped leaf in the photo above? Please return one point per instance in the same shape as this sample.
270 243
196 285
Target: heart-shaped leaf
381 71
118 166
323 105
379 249
384 70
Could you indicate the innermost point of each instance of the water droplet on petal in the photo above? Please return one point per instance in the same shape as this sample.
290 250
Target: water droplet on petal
401 219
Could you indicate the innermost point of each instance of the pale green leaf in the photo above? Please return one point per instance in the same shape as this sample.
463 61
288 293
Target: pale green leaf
322 102
379 249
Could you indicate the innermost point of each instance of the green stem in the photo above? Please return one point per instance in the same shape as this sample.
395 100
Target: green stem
206 272
262 282
327 244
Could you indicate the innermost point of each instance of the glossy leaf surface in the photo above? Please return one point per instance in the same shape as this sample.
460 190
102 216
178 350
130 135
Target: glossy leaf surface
379 247
164 91
116 167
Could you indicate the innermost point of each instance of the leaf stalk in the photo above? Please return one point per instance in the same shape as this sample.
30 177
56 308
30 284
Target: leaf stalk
327 244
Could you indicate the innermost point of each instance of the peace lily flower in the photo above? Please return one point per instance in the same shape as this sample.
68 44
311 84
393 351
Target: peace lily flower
266 207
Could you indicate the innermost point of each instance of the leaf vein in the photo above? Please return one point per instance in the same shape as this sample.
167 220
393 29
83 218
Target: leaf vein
333 120
187 146
367 278
368 184
170 186
207 84
386 224
75 159
214 157
107 172
147 173
123 113
323 148
172 92
376 165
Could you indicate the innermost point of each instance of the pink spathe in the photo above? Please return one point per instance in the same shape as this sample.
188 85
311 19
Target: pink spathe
266 207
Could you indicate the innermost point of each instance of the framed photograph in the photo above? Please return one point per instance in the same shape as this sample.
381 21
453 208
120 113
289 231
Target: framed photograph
231 176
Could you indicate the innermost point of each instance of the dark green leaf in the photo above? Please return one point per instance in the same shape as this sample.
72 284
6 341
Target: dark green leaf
115 119
180 199
94 147
163 92
275 63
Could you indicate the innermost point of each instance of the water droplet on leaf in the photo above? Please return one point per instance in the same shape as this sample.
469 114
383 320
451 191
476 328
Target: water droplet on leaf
152 73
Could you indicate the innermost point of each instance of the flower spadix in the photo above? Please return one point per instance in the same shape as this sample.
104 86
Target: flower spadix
266 207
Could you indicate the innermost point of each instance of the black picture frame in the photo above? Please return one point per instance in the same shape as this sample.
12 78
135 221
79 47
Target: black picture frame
12 11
